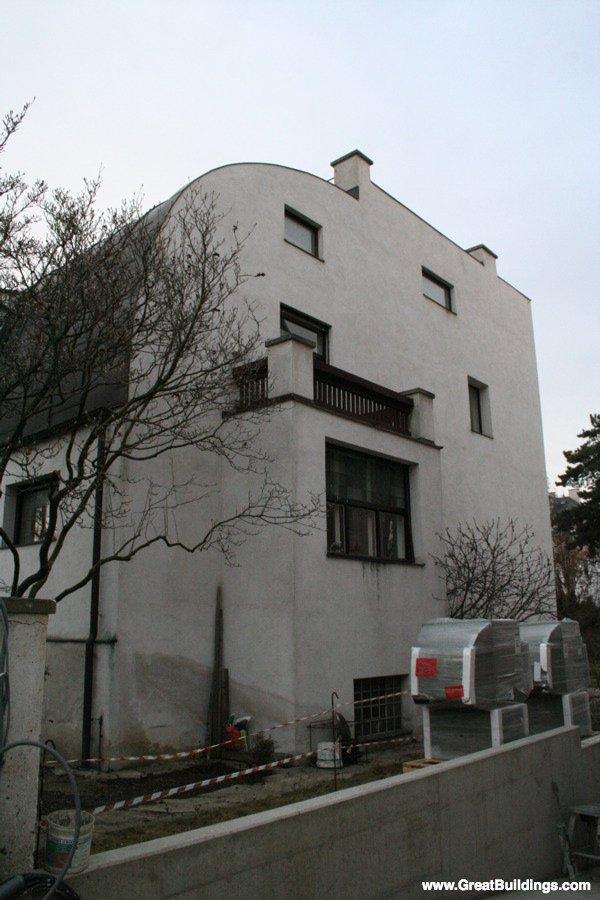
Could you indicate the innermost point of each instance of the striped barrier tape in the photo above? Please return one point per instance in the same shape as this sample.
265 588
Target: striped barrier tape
198 751
208 782
222 779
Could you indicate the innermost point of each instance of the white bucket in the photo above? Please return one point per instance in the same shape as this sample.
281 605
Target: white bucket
59 827
329 755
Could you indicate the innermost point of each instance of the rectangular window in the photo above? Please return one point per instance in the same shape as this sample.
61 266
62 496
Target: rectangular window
376 713
437 289
32 512
301 232
368 512
479 407
300 325
475 409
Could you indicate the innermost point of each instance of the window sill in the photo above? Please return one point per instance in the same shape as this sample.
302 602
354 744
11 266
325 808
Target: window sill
4 546
483 434
447 309
376 560
306 252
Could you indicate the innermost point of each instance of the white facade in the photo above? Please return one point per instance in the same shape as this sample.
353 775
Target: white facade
298 623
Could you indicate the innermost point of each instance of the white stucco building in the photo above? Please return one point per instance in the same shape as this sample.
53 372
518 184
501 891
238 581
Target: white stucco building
417 408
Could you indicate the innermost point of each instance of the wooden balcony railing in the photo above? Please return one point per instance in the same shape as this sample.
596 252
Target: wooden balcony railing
253 381
340 392
353 397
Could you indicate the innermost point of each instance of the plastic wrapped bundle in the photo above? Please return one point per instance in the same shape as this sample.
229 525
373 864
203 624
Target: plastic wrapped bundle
451 730
558 656
525 671
478 662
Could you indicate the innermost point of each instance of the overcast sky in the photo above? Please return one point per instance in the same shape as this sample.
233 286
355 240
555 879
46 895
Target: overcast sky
483 117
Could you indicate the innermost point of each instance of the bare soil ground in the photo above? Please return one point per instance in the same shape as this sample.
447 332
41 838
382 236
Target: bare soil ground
218 804
206 807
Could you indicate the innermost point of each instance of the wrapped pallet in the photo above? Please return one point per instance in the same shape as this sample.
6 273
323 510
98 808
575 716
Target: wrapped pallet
558 656
470 677
481 662
560 674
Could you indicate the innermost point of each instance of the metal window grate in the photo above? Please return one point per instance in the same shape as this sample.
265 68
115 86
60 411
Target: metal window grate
378 718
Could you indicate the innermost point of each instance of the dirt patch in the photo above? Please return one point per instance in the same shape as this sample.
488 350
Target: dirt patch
196 809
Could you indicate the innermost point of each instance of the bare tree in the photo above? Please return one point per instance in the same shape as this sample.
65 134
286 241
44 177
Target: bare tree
494 570
121 340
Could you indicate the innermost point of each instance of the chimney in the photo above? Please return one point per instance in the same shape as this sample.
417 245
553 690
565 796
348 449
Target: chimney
351 172
485 256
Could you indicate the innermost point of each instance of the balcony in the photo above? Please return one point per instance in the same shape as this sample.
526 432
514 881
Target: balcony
347 395
291 371
253 383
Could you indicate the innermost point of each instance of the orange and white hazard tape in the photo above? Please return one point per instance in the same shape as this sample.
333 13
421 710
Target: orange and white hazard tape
198 751
208 782
222 779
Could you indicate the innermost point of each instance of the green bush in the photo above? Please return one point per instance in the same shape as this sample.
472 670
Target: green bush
262 750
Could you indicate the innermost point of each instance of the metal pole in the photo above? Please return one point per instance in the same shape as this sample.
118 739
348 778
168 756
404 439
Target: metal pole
333 730
90 644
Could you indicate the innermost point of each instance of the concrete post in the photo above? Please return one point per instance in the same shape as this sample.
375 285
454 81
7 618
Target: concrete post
421 418
290 366
27 620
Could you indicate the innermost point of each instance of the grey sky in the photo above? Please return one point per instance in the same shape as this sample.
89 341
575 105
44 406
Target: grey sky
481 116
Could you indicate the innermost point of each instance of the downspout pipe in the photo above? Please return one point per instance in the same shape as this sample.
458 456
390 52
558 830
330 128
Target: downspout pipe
90 644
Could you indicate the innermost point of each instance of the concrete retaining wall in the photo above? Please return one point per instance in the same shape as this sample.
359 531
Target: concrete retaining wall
492 814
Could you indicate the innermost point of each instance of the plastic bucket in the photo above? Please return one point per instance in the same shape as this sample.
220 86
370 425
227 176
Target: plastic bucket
59 829
329 755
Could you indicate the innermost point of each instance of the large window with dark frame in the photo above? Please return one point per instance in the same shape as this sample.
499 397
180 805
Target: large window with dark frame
301 325
436 289
368 510
302 232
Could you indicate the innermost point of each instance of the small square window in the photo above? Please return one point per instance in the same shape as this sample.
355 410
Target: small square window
31 514
301 232
437 289
303 326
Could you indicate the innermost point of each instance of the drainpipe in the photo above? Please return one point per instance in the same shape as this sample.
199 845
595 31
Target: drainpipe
90 644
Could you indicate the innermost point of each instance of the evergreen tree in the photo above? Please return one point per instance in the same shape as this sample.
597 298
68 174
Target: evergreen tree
583 473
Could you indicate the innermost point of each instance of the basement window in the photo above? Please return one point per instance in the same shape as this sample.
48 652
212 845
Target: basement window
436 289
301 232
376 713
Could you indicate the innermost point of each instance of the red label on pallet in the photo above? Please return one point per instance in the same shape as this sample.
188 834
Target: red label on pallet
454 691
426 667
